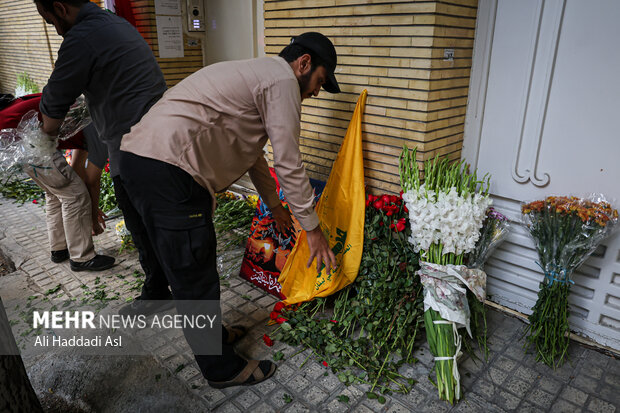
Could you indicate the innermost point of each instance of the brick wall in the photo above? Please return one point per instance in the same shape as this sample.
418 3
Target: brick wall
394 49
27 45
30 45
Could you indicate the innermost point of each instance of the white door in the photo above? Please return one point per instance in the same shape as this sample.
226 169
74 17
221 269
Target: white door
542 119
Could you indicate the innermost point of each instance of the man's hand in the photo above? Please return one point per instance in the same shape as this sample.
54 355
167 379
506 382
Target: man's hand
50 125
319 249
282 216
99 222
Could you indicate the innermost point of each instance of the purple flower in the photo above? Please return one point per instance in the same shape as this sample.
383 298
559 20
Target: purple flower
494 214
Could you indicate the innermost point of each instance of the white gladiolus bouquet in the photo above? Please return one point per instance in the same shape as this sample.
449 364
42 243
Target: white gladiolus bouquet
445 217
446 214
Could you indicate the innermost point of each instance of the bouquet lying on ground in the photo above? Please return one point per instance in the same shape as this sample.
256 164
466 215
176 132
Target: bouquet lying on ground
233 213
494 230
566 230
446 213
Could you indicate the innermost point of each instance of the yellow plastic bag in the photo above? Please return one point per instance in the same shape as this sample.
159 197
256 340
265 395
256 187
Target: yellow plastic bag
341 215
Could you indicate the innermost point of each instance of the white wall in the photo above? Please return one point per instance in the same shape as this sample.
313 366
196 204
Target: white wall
234 30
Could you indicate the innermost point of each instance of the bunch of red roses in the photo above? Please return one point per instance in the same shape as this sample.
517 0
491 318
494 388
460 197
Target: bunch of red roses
392 209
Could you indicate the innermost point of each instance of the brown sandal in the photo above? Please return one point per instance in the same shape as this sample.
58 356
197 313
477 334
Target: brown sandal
251 374
235 333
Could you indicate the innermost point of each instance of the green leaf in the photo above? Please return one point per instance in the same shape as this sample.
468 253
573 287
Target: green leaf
371 395
278 356
343 399
287 398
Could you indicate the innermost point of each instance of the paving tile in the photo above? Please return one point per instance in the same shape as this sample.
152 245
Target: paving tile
296 407
613 379
262 408
600 406
329 382
496 376
517 386
276 398
610 394
298 383
396 407
585 384
550 385
526 374
247 399
541 398
228 407
574 395
485 388
315 396
335 406
504 363
506 400
528 408
562 406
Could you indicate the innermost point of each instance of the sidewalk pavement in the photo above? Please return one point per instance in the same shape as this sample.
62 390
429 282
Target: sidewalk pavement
511 381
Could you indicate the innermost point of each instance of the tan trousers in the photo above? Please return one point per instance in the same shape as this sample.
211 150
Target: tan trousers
69 223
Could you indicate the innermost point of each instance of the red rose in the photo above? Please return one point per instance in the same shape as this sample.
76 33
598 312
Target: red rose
385 199
267 340
405 209
274 315
389 213
333 321
325 363
378 204
281 320
107 167
34 201
279 306
392 225
393 199
400 226
381 223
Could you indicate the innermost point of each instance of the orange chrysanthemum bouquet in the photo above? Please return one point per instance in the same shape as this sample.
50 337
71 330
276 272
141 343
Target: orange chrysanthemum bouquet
566 230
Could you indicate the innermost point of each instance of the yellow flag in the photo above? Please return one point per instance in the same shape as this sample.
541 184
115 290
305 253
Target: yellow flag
341 212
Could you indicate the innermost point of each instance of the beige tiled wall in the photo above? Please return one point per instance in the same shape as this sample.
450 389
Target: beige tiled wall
395 50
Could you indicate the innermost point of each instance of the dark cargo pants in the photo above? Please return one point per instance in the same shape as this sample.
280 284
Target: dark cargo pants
176 212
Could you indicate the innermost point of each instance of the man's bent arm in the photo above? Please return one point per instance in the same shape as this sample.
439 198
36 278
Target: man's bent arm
50 125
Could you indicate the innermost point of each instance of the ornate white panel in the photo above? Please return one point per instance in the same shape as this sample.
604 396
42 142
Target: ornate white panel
541 119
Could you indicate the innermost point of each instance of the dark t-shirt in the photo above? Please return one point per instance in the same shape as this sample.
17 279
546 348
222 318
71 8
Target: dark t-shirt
105 58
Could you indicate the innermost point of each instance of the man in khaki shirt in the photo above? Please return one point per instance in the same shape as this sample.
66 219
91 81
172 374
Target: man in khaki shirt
202 136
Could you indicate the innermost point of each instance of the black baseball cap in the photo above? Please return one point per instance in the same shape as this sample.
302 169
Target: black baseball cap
322 47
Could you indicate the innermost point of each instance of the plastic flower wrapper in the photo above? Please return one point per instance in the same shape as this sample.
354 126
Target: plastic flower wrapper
28 144
446 214
565 230
495 229
76 119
